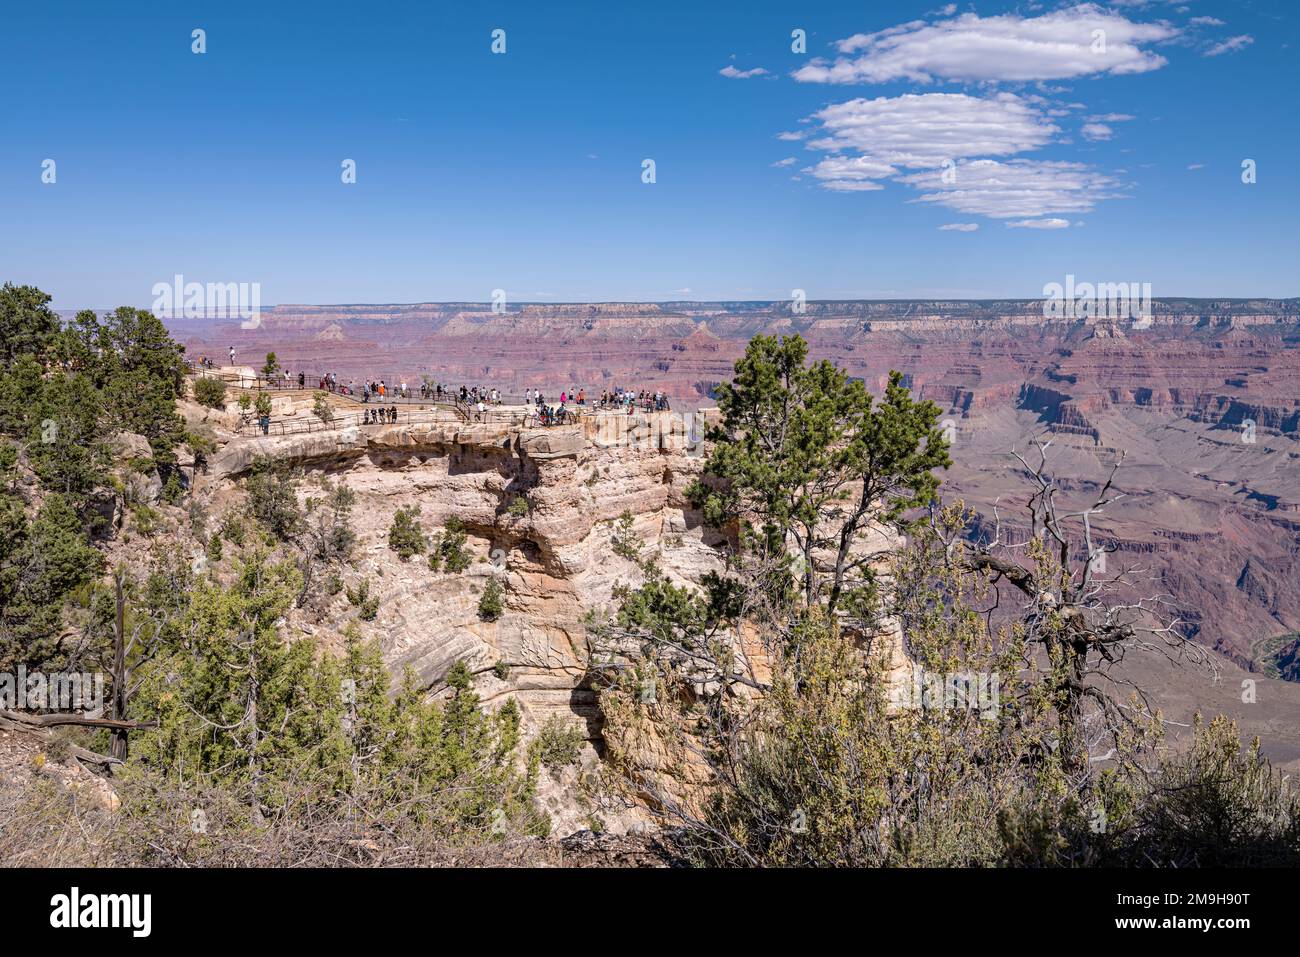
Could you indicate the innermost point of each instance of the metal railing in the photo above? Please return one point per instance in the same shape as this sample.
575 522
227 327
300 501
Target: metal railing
258 382
250 424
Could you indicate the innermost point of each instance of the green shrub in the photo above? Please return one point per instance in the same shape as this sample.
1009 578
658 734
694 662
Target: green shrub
449 553
367 605
405 535
210 392
518 507
232 528
273 499
624 540
489 604
558 745
322 409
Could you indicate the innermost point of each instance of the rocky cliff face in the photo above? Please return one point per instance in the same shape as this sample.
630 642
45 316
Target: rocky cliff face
556 561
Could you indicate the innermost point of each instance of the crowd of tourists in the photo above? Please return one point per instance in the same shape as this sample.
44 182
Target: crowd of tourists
570 403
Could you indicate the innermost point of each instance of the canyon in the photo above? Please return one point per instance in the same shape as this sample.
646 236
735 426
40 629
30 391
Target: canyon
1201 401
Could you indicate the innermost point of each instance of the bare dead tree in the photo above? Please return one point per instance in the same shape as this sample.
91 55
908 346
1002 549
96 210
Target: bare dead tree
132 648
1085 618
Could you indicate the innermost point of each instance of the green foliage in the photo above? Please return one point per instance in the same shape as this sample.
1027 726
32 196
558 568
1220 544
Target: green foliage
262 405
273 499
28 325
62 424
805 457
240 708
490 604
330 532
448 553
1216 805
211 392
518 507
137 368
367 605
405 535
624 540
271 366
42 562
232 528
322 409
558 745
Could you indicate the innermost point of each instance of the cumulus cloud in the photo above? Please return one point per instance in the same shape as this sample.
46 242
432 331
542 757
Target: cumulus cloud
1206 22
1077 41
1096 131
941 145
920 130
788 161
1017 188
1041 224
959 227
1231 45
851 173
731 71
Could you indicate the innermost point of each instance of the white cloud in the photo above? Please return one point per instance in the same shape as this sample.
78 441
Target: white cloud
1110 118
929 142
959 227
1020 187
1096 131
1196 166
1206 22
791 136
923 130
735 74
1041 224
788 161
1057 45
1231 45
851 174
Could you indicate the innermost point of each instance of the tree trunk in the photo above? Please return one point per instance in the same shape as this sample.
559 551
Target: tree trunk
119 740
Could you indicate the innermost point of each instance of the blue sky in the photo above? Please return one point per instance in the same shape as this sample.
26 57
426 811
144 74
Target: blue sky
523 171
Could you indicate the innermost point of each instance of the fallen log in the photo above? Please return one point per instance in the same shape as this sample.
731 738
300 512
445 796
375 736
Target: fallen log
52 720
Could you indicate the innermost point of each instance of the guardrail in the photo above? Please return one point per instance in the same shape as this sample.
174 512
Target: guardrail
249 424
257 382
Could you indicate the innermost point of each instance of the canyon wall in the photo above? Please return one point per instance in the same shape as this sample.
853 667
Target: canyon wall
1202 402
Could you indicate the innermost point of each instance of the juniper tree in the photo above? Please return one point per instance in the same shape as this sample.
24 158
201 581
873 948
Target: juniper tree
405 535
805 455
